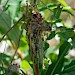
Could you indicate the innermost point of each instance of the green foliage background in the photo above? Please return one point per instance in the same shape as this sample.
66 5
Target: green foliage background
51 10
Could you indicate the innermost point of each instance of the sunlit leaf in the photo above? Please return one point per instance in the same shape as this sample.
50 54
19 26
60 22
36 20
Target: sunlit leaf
68 9
63 2
53 57
25 65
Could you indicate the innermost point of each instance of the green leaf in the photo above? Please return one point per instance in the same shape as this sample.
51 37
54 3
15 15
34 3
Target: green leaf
5 24
47 6
57 12
15 73
68 9
69 68
53 57
64 32
68 12
52 35
43 72
56 21
4 59
8 72
2 70
53 22
14 12
73 41
25 65
55 68
46 46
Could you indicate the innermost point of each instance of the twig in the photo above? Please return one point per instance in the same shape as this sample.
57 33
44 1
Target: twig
10 29
17 46
4 7
6 3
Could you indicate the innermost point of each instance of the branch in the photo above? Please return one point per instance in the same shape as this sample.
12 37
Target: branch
4 7
17 46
